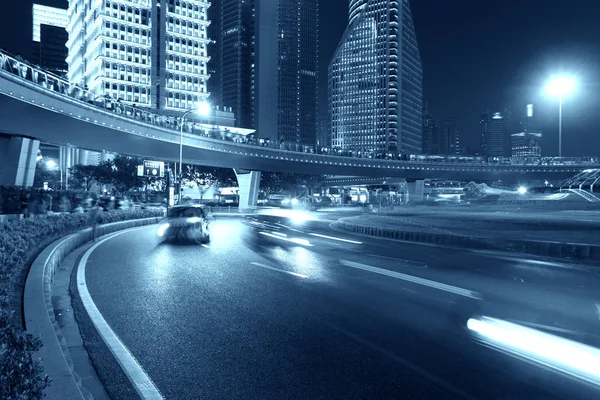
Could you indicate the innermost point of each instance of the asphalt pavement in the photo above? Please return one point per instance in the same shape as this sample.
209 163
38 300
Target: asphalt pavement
322 314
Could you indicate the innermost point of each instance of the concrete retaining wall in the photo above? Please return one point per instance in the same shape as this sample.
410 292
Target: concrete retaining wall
39 313
579 251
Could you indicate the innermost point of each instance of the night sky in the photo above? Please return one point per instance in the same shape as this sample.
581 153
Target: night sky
475 53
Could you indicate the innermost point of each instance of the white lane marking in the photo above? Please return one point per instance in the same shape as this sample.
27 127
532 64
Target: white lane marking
205 246
414 279
303 242
279 270
409 263
334 238
144 386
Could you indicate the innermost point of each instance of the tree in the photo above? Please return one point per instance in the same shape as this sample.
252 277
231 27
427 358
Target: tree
202 177
83 176
44 173
289 183
125 177
475 190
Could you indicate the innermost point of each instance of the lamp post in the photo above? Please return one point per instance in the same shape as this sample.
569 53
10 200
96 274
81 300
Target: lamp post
560 87
203 109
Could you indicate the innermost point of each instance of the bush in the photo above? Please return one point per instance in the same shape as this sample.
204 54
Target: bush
21 376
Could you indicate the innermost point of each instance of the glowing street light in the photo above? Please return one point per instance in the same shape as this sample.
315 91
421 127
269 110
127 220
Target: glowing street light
560 87
522 190
51 164
202 109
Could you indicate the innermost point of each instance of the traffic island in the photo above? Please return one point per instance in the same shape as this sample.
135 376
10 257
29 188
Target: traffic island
482 235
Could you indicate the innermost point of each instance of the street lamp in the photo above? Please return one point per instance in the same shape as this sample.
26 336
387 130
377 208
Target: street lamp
202 109
560 87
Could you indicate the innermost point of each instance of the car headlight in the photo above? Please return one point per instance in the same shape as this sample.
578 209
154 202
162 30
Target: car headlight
162 229
194 220
294 201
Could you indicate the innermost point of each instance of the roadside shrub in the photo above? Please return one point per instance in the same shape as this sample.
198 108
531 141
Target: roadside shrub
21 376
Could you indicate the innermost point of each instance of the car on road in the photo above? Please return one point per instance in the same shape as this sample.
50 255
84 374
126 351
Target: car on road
185 223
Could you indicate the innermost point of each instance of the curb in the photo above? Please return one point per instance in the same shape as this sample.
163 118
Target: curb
39 314
579 251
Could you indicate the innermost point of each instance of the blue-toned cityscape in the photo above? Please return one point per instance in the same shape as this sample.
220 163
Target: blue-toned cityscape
279 199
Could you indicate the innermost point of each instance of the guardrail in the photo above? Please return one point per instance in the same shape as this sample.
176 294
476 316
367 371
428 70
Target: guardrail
47 81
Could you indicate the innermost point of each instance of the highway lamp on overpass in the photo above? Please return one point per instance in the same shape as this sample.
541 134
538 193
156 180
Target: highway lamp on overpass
560 87
203 109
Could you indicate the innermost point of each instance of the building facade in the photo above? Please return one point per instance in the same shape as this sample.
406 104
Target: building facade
430 133
298 30
375 81
235 59
269 67
213 49
496 134
448 142
50 37
149 53
526 144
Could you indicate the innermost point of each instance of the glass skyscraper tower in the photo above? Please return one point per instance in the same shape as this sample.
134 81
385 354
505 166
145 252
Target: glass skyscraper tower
151 53
375 81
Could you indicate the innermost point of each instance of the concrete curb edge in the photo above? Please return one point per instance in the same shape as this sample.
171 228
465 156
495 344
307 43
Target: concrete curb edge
39 312
580 251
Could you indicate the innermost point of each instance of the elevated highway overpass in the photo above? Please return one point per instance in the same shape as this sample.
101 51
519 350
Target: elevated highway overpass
39 106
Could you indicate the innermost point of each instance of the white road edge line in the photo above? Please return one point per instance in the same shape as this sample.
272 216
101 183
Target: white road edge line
334 238
414 279
134 371
279 270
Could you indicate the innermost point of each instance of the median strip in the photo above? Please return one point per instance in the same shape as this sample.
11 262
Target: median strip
409 278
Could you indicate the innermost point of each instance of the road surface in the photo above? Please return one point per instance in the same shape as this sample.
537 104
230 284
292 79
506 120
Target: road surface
333 316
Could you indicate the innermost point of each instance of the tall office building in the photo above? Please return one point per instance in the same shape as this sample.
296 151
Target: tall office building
526 144
449 138
50 38
375 81
496 134
151 53
236 62
213 49
298 68
430 133
269 66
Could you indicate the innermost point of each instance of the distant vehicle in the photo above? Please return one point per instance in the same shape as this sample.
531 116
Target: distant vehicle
185 223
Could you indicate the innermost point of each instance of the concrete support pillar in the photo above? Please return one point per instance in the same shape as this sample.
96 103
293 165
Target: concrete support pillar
415 191
103 156
18 160
249 184
83 157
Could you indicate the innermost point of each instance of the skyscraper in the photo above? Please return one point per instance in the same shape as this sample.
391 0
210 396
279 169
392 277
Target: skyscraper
269 66
235 59
151 53
449 138
526 144
50 38
496 133
430 133
375 81
213 49
298 68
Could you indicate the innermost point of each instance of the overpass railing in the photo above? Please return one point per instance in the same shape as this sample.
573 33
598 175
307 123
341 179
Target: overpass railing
50 82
